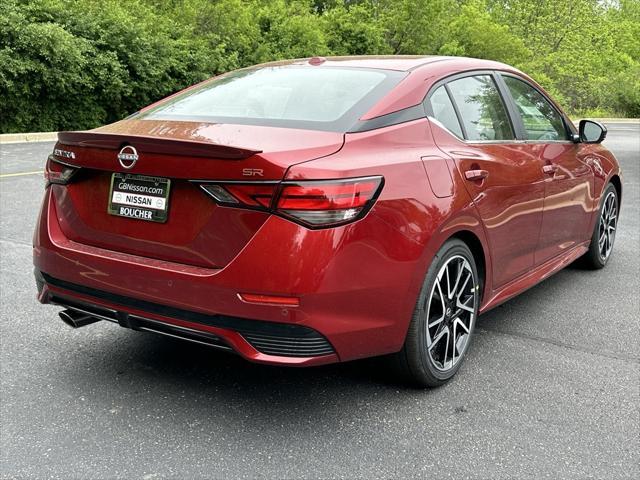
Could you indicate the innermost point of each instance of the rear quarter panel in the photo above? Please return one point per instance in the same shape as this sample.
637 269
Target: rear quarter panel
389 251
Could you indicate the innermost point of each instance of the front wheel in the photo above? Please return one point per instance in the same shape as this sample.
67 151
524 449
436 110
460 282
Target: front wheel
444 318
604 232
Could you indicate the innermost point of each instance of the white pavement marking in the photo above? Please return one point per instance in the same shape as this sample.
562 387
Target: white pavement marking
20 174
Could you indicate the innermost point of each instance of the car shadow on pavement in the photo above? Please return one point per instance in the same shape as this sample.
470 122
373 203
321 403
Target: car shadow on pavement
142 372
149 359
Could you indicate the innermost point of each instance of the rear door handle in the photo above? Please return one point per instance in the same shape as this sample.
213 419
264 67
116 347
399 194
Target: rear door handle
550 169
476 174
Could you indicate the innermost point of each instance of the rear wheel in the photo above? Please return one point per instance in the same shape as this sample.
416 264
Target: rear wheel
604 232
444 317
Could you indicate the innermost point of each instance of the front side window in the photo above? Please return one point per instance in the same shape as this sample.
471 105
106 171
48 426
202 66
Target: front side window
482 111
330 98
541 121
444 112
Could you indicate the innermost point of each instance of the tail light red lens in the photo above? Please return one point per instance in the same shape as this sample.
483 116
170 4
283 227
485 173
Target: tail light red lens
248 195
58 172
323 203
253 195
313 203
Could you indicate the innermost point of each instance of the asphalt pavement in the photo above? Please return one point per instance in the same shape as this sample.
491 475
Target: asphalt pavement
550 388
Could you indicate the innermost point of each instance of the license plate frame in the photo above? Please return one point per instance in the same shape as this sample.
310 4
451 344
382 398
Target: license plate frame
139 197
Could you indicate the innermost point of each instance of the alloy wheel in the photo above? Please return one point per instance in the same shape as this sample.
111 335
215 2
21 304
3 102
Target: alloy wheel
451 312
607 225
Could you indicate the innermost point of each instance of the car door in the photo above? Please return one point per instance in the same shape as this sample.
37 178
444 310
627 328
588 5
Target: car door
470 123
568 179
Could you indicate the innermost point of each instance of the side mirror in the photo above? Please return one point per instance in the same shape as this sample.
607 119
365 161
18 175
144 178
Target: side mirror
592 132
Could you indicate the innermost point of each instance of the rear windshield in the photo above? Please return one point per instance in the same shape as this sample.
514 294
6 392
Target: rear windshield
317 98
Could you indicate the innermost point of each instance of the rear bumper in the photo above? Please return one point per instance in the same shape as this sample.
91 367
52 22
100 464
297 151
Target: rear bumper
256 340
356 287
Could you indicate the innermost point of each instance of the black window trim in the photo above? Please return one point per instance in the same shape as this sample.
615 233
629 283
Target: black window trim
461 124
512 108
409 114
517 134
568 125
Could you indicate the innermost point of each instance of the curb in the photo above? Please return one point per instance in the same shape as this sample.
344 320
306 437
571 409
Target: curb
28 137
633 121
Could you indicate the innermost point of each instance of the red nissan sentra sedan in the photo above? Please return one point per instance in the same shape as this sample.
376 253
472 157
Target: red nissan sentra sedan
324 210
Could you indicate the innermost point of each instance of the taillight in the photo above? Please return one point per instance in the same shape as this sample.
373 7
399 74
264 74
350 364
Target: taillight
325 203
58 172
313 203
252 195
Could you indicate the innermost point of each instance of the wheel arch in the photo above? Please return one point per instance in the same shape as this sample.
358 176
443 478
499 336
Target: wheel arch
617 183
479 255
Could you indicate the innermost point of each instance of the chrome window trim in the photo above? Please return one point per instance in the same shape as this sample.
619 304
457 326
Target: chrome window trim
475 142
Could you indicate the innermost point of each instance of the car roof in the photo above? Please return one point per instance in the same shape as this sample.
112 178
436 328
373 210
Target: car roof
422 72
403 63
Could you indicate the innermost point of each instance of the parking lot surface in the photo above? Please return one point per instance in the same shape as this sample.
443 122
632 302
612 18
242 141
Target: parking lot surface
550 387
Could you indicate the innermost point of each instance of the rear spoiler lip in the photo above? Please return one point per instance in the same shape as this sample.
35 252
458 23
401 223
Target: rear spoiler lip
151 144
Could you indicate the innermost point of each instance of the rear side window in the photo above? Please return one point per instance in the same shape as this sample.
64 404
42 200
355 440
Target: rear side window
444 112
541 120
482 111
331 98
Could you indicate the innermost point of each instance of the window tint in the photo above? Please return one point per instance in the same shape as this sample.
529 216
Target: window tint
444 112
541 120
483 114
329 98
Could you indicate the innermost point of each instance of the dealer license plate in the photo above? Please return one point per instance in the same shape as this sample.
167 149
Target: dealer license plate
139 197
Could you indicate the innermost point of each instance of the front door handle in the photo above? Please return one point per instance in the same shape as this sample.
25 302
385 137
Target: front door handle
550 169
476 174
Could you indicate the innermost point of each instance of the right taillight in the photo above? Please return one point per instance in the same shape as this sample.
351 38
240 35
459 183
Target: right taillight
312 203
327 203
58 172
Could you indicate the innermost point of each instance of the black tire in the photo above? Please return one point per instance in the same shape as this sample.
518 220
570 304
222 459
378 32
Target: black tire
417 363
598 255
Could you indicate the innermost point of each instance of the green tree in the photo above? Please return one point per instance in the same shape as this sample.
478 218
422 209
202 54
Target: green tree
288 30
78 64
474 33
416 27
75 64
354 30
586 51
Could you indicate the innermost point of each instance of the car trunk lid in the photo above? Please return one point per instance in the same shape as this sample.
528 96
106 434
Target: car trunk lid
196 231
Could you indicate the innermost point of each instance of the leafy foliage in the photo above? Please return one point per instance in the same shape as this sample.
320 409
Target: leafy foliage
74 64
67 64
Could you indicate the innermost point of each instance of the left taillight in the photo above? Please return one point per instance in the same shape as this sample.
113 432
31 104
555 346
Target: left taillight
312 203
58 172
